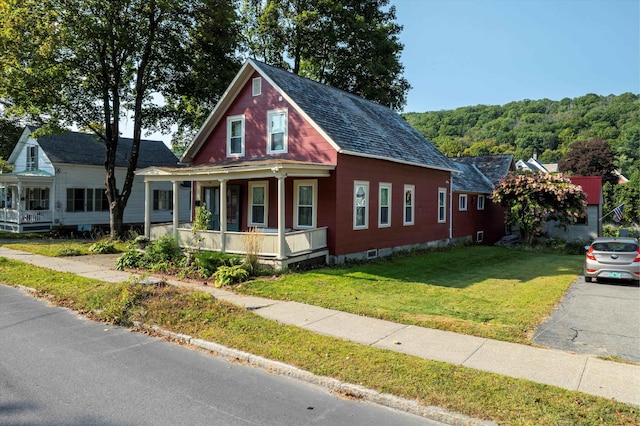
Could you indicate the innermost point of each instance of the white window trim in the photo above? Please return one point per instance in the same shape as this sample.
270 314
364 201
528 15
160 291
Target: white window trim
256 86
442 195
285 143
384 185
364 184
481 201
231 119
460 202
411 188
479 236
264 184
314 210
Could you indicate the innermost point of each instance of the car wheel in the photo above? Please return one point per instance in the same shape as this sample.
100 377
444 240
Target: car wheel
588 279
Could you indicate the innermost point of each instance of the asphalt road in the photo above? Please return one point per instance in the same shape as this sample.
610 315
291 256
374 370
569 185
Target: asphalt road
57 368
598 318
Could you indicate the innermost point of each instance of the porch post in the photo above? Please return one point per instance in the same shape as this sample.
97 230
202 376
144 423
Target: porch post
18 202
281 216
176 209
223 215
147 208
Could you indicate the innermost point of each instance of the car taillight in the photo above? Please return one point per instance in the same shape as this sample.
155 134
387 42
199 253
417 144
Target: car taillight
590 255
637 259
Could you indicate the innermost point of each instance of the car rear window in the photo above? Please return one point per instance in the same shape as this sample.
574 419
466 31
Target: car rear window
615 246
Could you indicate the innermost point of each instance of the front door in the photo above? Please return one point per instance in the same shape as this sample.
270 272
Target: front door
211 198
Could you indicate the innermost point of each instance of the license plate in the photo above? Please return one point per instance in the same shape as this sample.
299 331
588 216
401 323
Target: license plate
615 275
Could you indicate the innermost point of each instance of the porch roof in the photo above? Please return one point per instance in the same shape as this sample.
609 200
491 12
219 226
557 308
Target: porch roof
25 176
238 170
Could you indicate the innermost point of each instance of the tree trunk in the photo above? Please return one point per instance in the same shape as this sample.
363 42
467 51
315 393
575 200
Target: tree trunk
116 221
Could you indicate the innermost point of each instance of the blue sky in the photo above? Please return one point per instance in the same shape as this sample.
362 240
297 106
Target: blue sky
467 52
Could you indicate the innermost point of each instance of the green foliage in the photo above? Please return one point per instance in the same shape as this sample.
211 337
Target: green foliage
324 40
227 275
530 199
211 260
68 251
202 219
164 249
130 260
103 247
92 71
544 127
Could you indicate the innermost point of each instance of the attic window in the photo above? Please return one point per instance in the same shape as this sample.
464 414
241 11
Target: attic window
256 86
32 157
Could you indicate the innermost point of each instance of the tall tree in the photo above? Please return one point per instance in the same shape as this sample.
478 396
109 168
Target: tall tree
9 133
592 157
352 44
531 199
93 63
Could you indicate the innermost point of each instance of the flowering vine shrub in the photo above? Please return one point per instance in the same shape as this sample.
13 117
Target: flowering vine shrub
531 199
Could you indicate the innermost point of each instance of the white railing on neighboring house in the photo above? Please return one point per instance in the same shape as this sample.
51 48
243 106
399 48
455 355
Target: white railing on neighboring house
296 242
25 216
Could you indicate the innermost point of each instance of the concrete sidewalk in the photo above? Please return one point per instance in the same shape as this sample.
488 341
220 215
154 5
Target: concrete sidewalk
571 371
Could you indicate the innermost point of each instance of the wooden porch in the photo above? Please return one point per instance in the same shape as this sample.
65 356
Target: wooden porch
19 221
300 246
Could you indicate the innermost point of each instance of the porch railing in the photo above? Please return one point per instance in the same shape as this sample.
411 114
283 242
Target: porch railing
296 242
25 216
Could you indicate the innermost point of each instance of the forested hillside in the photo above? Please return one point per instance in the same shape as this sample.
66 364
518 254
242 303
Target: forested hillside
544 127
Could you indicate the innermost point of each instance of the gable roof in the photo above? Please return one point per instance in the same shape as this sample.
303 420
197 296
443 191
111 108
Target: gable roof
482 173
87 149
351 124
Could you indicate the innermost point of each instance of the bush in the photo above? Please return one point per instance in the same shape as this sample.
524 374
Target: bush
164 249
103 247
227 275
210 261
129 260
68 251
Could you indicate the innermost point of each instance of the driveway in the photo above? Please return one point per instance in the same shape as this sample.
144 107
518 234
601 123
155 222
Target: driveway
599 318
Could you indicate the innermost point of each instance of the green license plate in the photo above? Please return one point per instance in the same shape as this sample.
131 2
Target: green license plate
615 275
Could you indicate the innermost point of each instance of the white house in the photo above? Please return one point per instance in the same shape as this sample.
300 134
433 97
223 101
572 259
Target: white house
58 180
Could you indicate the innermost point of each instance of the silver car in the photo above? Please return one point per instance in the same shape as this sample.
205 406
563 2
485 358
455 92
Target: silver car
612 258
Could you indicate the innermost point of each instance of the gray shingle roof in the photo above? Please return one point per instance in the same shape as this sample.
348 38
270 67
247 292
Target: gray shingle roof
85 148
355 124
480 174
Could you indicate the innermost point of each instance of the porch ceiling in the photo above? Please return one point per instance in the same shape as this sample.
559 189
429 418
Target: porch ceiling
237 170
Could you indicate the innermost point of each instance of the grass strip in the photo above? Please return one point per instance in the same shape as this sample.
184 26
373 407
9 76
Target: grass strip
470 392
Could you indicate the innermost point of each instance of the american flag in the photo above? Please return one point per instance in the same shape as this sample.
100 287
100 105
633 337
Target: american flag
617 213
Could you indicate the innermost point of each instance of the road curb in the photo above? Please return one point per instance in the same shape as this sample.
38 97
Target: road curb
276 367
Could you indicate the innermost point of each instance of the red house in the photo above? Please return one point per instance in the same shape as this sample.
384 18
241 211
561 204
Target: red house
474 216
319 174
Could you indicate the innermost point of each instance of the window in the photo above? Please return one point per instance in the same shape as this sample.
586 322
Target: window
360 201
258 194
37 198
442 205
75 199
480 202
462 203
87 199
305 203
479 236
162 199
384 205
409 212
277 128
32 157
235 136
256 86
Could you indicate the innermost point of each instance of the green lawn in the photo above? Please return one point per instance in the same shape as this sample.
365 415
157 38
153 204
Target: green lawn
494 292
57 248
